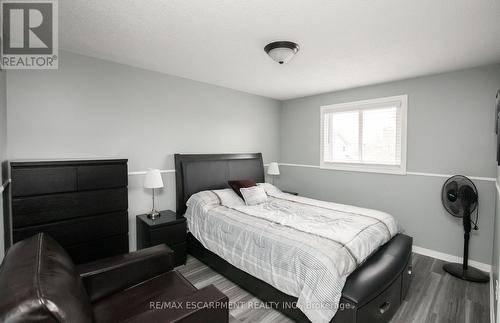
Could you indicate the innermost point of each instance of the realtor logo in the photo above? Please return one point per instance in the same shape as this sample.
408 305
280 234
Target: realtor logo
29 32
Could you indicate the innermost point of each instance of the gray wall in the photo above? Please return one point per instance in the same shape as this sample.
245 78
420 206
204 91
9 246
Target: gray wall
91 107
450 131
495 262
3 144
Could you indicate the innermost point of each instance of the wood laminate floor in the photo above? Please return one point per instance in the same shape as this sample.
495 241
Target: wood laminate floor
434 296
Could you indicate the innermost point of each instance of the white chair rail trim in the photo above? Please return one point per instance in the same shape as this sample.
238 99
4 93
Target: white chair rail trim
4 186
143 172
163 171
478 178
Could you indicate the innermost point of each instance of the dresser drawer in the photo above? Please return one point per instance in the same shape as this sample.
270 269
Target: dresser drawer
384 306
79 230
55 207
43 180
102 176
169 234
98 249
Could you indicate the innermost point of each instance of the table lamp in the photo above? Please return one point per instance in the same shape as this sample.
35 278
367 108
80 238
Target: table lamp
273 170
153 180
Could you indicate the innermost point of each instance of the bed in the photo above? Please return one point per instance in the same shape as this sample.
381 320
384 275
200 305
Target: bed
286 265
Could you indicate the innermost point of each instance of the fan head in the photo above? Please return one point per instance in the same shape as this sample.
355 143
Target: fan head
458 192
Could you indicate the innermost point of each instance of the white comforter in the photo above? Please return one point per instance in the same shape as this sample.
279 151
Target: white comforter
303 247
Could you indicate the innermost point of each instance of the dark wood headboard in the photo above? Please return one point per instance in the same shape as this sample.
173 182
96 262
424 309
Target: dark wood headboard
196 173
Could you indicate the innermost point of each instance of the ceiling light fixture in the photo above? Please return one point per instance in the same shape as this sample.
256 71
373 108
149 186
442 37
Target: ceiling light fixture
281 51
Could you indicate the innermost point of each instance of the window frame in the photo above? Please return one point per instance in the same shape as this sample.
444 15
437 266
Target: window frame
402 101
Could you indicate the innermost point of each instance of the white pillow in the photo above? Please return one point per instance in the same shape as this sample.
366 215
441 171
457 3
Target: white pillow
270 189
229 198
203 198
200 203
253 195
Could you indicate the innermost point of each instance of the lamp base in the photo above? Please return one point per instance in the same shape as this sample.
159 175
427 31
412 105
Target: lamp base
471 274
154 214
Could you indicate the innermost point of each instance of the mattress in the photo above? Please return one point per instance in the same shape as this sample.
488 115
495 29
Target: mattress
303 247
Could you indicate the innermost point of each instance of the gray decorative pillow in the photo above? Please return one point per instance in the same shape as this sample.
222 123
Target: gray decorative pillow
254 195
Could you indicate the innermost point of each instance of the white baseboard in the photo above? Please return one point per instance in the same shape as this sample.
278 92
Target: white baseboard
450 258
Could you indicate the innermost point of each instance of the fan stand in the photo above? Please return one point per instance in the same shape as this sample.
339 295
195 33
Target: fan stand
463 271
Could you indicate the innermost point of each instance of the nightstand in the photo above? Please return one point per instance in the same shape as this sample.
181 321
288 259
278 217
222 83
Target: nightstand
169 229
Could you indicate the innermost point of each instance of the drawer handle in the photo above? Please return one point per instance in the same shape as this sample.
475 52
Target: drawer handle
410 271
384 307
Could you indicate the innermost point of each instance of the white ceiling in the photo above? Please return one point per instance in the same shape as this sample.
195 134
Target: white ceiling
344 43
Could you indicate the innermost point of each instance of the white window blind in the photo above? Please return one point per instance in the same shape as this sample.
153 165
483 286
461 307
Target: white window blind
365 135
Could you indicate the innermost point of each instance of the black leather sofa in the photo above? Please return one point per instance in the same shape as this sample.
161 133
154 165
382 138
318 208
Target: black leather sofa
39 283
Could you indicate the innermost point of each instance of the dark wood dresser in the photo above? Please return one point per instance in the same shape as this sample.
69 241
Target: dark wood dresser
83 204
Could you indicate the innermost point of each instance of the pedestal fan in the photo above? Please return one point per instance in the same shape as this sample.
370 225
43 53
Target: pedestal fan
460 199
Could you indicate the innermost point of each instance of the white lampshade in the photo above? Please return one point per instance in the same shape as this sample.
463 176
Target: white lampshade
153 179
273 169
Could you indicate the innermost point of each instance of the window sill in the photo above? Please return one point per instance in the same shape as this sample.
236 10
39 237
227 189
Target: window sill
364 168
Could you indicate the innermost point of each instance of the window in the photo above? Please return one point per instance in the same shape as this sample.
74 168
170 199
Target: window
368 136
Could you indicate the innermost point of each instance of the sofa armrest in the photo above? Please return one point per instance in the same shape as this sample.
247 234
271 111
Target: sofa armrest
205 305
110 275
